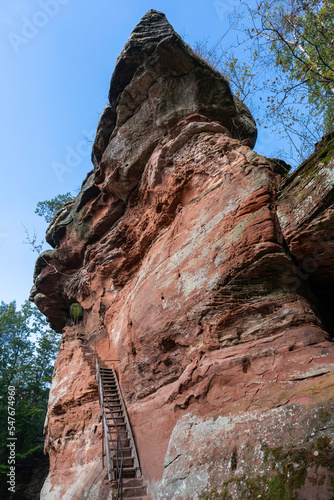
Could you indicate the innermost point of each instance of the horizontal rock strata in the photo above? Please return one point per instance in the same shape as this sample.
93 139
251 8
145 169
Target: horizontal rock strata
184 249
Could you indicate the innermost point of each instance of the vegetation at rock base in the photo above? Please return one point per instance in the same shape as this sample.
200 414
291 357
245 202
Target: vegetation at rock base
48 208
285 471
286 76
27 350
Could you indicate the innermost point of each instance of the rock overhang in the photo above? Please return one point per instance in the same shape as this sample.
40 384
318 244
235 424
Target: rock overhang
160 79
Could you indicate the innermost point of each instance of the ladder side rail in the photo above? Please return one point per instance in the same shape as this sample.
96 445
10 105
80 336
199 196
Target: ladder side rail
105 425
99 391
128 425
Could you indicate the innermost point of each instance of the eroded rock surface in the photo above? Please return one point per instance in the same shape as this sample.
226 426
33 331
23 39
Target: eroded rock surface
306 215
182 249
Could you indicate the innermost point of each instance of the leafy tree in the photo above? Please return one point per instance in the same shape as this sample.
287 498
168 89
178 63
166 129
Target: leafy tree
281 64
27 350
302 41
48 208
300 37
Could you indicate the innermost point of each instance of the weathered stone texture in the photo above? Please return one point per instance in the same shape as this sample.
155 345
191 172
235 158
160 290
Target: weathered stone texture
184 250
306 214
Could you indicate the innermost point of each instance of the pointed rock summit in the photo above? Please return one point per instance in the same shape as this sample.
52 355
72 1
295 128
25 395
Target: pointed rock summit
158 80
149 32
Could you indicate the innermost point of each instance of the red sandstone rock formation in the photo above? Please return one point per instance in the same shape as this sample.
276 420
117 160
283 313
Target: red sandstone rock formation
191 259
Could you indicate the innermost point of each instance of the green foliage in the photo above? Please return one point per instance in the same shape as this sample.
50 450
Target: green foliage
27 351
302 43
297 36
48 208
280 62
76 311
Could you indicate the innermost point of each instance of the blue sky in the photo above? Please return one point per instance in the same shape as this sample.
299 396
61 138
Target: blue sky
57 57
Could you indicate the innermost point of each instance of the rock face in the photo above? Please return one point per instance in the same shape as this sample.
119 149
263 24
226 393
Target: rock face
186 251
306 215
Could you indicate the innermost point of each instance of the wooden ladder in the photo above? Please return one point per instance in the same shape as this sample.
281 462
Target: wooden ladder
121 452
